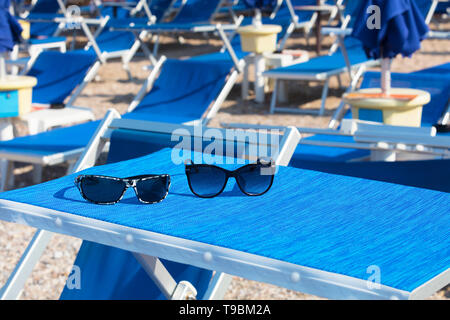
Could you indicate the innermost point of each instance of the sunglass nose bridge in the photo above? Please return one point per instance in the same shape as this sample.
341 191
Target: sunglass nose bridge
130 183
233 174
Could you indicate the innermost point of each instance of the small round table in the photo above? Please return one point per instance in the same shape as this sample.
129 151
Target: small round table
403 107
259 40
15 97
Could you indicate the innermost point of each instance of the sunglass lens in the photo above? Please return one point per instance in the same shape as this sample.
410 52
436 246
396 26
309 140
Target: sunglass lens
153 190
102 190
206 181
254 180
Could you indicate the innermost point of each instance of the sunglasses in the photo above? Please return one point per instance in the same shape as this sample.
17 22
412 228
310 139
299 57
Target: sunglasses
208 181
110 190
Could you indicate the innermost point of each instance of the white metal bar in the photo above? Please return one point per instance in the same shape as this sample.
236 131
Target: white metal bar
273 100
97 143
229 48
158 273
432 286
14 285
92 41
214 108
288 144
217 287
147 84
324 97
88 78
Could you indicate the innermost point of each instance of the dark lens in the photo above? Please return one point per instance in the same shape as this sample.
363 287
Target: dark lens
102 190
254 179
206 181
153 189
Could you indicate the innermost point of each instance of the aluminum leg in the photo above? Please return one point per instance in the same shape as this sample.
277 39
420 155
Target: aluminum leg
260 65
324 97
14 285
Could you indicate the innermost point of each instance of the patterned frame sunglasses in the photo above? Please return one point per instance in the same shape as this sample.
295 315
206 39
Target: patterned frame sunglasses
97 189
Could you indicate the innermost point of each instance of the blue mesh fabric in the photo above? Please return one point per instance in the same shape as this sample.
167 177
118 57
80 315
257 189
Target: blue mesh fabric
196 11
329 222
45 6
442 70
113 41
328 154
185 87
58 74
430 174
51 142
159 8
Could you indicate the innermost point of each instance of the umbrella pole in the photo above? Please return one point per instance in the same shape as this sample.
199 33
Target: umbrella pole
386 75
2 67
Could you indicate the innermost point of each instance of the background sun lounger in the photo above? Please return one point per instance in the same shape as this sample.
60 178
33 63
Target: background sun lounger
60 76
321 69
173 97
43 35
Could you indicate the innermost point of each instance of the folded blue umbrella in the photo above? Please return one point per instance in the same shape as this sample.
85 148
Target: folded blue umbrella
10 29
400 30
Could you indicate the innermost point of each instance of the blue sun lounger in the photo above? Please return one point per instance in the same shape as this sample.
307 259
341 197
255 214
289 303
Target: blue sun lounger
336 247
61 77
321 69
173 97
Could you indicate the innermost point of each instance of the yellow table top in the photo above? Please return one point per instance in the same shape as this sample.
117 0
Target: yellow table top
17 82
421 99
264 29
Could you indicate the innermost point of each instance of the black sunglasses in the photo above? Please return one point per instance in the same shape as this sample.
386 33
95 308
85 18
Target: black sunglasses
149 188
208 181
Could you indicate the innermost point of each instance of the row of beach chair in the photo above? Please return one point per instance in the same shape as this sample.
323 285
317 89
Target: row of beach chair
133 277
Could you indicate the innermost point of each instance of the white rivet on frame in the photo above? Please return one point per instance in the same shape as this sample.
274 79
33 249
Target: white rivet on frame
58 222
207 256
129 238
295 277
